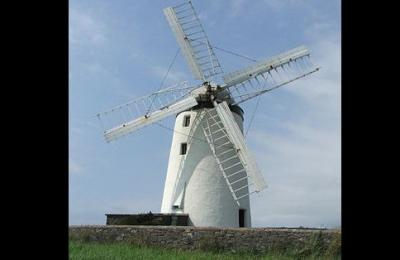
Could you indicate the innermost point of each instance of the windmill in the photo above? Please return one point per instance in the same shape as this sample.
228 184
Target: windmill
211 171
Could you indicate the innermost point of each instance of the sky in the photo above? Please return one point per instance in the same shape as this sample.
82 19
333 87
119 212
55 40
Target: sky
120 50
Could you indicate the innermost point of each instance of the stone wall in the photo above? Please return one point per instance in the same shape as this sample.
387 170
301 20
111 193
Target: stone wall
148 219
228 239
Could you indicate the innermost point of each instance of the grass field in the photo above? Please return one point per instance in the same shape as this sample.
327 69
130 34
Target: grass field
91 250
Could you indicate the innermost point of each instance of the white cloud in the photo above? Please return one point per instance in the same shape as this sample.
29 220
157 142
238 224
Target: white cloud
301 159
76 130
173 76
75 167
207 19
85 29
323 89
278 4
93 213
236 7
302 167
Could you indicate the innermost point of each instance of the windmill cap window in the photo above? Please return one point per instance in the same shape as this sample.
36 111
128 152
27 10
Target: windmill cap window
183 148
186 121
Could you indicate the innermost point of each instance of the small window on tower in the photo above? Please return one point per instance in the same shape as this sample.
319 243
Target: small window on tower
183 148
186 121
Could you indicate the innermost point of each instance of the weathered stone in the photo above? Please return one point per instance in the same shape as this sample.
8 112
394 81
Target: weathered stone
149 219
229 239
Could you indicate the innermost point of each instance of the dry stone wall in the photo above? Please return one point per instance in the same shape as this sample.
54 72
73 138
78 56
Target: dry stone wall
228 239
148 219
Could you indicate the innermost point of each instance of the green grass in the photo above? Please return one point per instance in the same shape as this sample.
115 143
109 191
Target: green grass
92 250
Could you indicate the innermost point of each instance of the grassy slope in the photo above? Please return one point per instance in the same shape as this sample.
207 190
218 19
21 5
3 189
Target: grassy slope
87 251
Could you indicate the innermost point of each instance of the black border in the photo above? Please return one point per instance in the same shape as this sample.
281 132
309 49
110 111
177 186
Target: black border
366 209
38 185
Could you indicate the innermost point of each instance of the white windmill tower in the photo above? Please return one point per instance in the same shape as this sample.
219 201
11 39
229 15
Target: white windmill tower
211 172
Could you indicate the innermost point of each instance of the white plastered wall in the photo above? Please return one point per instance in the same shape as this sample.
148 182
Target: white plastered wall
207 198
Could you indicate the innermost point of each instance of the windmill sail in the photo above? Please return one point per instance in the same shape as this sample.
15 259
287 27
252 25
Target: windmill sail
268 74
157 115
261 88
193 41
143 111
230 151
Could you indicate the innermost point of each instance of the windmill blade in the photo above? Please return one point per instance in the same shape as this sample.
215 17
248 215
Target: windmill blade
143 111
231 153
236 137
153 117
264 66
193 41
144 105
269 74
252 94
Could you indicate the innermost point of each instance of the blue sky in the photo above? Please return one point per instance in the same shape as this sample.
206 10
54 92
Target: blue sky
119 50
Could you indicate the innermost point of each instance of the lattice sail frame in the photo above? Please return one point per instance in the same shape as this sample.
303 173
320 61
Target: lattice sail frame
268 74
146 110
233 158
193 40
